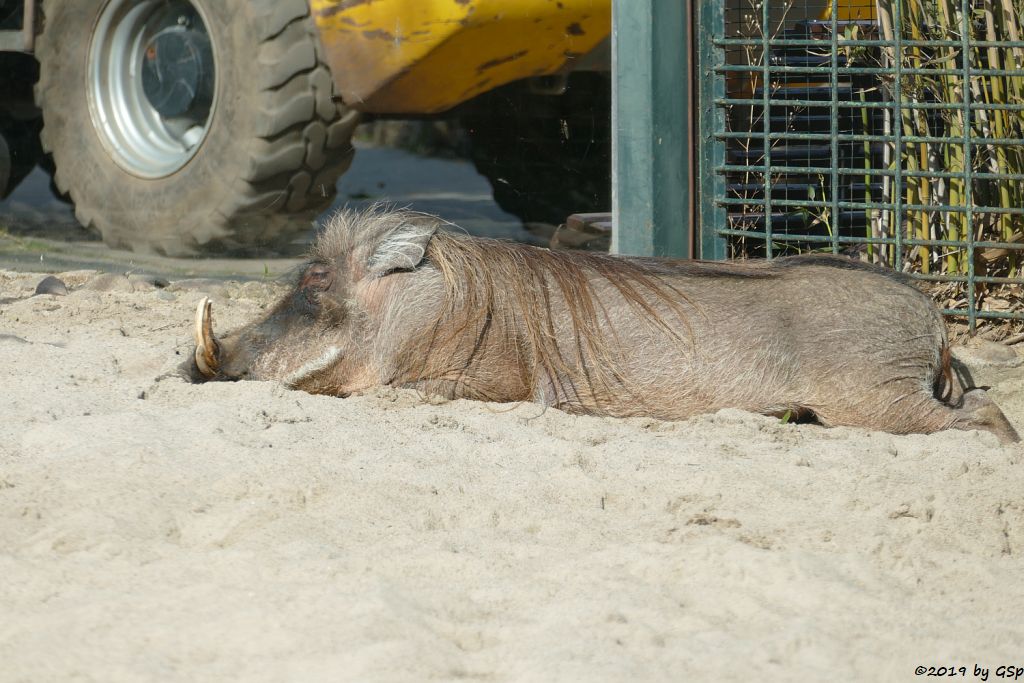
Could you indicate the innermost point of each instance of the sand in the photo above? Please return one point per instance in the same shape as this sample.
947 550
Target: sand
153 530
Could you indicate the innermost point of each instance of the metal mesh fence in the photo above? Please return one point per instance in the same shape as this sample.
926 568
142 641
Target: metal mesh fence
891 130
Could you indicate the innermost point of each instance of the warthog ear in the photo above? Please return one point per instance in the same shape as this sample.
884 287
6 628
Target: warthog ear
402 248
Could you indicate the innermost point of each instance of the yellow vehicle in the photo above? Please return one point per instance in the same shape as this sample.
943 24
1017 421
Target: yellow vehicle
184 126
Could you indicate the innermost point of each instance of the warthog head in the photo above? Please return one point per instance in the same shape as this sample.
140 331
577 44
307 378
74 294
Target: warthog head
324 335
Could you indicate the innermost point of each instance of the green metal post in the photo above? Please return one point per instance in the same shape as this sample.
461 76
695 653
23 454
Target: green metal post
651 130
713 216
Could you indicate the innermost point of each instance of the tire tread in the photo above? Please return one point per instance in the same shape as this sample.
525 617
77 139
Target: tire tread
302 142
319 148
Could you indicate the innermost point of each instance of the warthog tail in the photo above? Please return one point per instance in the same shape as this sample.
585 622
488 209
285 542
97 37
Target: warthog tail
947 386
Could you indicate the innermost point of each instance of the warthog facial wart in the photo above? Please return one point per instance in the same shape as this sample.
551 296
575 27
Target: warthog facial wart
387 298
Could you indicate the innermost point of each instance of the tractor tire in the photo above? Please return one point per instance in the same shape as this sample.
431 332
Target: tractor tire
237 150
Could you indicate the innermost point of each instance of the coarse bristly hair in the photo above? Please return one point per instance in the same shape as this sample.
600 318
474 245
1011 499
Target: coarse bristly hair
503 293
522 299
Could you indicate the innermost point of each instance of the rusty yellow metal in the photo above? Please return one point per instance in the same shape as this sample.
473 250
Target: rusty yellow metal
424 56
849 10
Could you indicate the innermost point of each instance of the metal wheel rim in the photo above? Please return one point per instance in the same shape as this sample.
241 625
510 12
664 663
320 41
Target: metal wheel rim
138 138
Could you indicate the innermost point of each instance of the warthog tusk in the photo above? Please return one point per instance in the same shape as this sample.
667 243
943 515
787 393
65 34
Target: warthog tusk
207 349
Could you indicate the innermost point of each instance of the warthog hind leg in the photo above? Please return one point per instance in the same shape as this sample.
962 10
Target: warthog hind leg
916 411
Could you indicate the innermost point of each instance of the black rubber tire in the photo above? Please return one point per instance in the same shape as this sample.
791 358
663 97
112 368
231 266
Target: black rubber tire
546 156
277 141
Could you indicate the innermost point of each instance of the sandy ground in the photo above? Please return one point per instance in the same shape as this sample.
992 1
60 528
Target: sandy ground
153 530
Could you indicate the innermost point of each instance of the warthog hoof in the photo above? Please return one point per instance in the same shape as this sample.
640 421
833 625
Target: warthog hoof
980 411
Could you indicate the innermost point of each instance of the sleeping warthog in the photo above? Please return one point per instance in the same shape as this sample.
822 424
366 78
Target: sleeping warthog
388 299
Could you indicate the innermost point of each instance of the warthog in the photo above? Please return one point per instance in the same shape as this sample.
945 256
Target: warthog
389 299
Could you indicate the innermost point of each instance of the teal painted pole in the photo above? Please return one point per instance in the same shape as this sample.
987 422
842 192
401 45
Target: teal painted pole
652 137
711 185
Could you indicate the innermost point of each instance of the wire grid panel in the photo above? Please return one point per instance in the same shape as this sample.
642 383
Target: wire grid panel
890 130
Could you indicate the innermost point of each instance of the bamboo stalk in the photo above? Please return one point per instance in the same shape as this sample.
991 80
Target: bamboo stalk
953 91
915 123
872 222
997 94
1010 23
888 221
992 21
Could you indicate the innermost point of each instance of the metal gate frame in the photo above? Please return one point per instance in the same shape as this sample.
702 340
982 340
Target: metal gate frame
713 100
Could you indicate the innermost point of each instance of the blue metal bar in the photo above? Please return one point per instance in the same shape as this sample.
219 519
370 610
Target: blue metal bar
897 121
822 204
834 124
843 137
974 314
825 239
860 70
811 42
821 170
651 148
713 216
766 105
940 106
965 37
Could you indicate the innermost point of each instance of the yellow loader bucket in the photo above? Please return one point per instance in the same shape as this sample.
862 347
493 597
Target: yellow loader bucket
425 56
